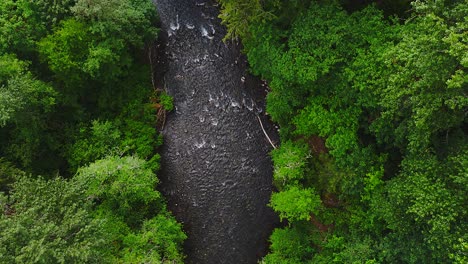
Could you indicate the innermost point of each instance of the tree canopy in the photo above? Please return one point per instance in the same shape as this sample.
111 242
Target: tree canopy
371 102
78 143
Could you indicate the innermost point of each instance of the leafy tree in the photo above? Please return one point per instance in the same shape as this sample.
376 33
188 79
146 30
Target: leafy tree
161 232
424 209
239 15
51 12
97 43
122 185
19 27
23 22
8 174
49 222
306 202
388 98
89 48
24 104
109 213
99 142
63 64
130 21
289 246
124 189
67 49
130 133
423 95
18 89
290 163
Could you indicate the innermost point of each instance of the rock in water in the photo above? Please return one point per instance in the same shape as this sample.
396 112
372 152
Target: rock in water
216 171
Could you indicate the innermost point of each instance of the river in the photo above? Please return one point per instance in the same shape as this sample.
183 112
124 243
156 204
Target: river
216 171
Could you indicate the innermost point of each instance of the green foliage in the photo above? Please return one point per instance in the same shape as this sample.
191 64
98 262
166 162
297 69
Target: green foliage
306 202
289 246
91 50
161 232
109 213
99 142
238 15
130 21
290 163
124 186
125 195
96 43
51 12
137 122
425 207
166 101
18 26
8 174
67 49
74 96
24 104
128 134
461 250
388 97
24 92
10 67
49 222
321 46
19 90
424 91
360 251
23 22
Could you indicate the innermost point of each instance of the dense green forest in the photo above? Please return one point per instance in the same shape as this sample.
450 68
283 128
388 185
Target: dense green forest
371 99
77 135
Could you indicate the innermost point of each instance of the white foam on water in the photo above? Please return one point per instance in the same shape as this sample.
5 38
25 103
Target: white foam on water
213 100
200 144
175 26
213 31
235 104
251 106
205 33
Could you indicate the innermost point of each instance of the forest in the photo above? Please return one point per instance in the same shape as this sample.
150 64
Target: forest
370 98
78 144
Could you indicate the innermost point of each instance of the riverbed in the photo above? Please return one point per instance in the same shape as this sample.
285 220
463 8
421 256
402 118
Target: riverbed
216 170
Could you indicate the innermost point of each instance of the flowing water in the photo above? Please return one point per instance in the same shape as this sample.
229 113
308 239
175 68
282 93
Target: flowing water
216 172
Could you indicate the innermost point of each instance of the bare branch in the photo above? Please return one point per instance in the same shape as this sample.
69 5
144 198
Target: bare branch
264 132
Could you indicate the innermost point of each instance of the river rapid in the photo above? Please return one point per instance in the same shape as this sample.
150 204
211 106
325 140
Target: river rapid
216 171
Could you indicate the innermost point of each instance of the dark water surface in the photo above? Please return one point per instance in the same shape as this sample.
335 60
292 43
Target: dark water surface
216 172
